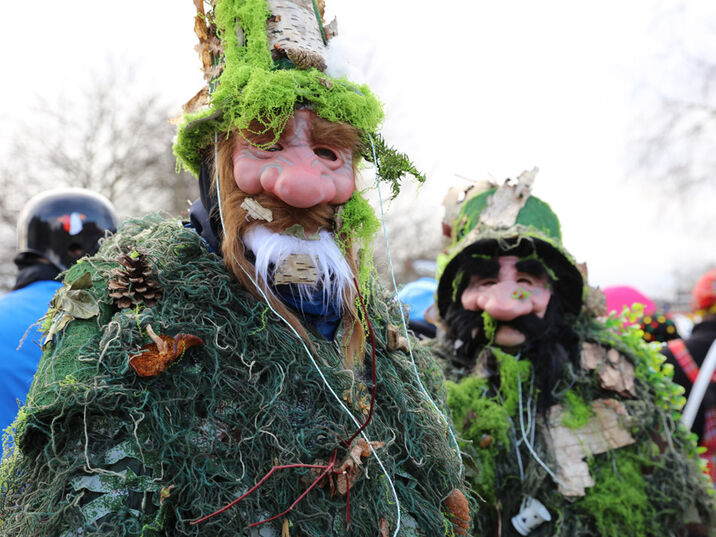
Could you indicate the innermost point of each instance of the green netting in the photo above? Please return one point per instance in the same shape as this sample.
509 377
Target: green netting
105 452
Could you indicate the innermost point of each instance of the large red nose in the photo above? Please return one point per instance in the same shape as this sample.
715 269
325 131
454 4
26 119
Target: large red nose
503 301
301 183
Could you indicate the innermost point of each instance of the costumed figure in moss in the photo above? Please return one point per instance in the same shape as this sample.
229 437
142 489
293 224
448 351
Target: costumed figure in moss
242 374
570 421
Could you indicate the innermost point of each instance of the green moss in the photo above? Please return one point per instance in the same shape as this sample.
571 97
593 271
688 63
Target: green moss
391 164
618 502
456 282
490 325
480 419
511 369
578 412
358 226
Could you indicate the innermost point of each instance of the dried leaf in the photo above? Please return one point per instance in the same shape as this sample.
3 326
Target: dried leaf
83 282
459 508
285 532
80 304
384 528
200 29
200 99
395 341
165 493
155 357
199 4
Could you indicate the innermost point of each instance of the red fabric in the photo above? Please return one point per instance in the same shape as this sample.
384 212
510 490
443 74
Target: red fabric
691 370
704 293
687 363
709 442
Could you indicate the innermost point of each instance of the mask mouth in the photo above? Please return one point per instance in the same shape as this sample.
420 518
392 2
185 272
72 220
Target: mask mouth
530 325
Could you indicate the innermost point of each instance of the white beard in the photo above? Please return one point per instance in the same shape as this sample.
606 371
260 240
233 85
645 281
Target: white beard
335 278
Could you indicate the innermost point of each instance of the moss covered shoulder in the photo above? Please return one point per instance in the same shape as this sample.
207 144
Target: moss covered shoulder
66 359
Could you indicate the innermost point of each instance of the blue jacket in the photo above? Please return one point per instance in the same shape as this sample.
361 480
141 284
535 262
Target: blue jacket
19 310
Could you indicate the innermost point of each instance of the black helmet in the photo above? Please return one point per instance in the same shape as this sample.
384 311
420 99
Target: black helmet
63 225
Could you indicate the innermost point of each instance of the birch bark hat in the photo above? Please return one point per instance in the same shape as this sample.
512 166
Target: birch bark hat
508 220
263 58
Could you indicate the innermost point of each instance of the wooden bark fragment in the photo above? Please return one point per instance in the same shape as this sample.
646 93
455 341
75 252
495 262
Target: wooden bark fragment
256 210
569 447
297 268
615 371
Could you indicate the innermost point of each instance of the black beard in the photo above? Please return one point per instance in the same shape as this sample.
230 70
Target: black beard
550 343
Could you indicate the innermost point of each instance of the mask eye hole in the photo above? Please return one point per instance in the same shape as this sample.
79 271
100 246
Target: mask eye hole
325 153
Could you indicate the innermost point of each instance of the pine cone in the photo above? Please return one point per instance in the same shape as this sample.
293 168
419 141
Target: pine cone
459 508
133 283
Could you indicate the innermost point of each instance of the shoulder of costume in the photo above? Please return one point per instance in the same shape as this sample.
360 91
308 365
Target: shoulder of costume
84 320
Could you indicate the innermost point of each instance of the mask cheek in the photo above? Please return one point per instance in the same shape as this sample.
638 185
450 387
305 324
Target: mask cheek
540 301
247 175
344 190
473 300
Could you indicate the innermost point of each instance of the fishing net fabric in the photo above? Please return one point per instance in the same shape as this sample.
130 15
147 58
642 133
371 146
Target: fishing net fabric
101 451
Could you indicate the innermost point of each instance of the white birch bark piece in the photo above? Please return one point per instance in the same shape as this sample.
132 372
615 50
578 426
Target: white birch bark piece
507 201
294 30
296 268
604 431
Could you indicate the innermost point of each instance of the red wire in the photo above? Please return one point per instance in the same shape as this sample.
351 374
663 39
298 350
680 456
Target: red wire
348 502
329 467
261 482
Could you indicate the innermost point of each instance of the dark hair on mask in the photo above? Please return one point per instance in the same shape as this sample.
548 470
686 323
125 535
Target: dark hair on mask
551 343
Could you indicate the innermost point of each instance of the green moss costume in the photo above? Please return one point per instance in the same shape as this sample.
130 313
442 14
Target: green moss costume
105 452
625 436
101 451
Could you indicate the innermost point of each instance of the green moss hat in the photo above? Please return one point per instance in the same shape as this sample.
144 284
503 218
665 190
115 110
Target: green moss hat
508 220
261 59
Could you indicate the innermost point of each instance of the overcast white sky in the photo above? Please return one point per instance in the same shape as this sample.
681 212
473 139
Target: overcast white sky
471 87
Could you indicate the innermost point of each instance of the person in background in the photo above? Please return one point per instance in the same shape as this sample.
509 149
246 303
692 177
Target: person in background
419 296
570 425
54 230
656 324
688 355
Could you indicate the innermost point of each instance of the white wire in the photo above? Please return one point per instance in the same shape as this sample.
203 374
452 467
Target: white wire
402 311
527 442
305 347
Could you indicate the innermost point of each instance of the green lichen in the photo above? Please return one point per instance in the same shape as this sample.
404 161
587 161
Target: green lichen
577 411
